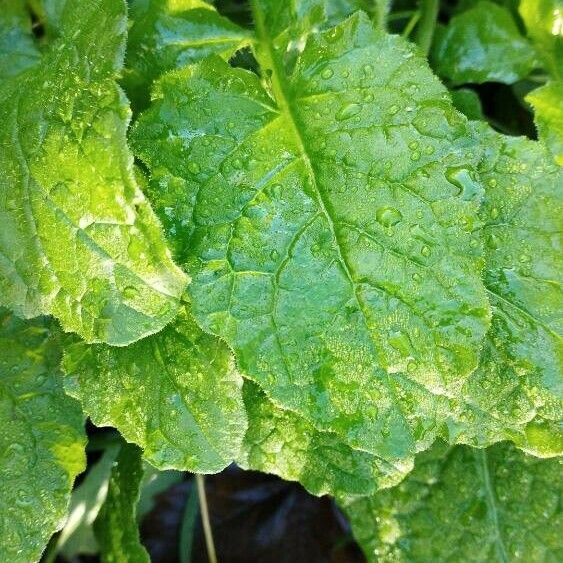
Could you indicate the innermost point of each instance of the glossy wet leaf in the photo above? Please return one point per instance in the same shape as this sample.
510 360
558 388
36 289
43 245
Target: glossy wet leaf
328 231
176 394
77 238
280 442
116 527
519 382
167 34
482 44
41 439
465 504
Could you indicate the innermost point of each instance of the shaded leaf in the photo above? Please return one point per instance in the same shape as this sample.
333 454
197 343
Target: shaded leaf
116 525
42 439
482 44
78 239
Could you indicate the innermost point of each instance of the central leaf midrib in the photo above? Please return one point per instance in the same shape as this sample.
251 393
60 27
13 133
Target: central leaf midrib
279 86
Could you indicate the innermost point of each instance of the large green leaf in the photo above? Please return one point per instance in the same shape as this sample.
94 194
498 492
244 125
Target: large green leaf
116 527
519 382
41 439
547 102
176 394
280 442
482 44
167 34
77 238
329 231
464 504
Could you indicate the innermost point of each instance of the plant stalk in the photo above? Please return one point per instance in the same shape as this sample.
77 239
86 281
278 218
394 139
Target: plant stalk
428 18
211 553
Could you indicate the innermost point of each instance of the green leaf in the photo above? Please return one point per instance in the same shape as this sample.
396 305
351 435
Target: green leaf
482 44
518 383
547 102
78 239
544 24
17 49
167 34
464 504
77 537
41 439
116 526
328 231
176 394
467 102
280 442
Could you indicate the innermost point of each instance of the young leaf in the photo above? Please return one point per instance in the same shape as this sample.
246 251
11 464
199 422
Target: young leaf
176 394
547 102
482 44
328 231
78 240
167 34
280 442
116 527
41 439
464 504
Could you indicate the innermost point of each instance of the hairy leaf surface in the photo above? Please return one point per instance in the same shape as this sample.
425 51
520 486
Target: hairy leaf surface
77 238
281 442
167 34
483 44
176 394
41 439
464 504
328 231
116 527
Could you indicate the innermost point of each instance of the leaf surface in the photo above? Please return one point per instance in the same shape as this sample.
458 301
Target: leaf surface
280 442
328 231
116 527
41 439
167 34
482 44
78 240
465 504
176 394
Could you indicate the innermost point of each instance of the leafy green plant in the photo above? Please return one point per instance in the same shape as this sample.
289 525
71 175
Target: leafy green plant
316 253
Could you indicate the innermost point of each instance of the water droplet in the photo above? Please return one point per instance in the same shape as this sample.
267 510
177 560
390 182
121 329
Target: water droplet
388 216
194 167
393 109
461 178
416 277
130 292
274 255
425 251
327 73
347 111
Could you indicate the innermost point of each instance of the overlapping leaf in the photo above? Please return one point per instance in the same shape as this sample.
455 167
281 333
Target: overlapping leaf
280 442
176 394
464 504
41 439
77 238
328 231
167 34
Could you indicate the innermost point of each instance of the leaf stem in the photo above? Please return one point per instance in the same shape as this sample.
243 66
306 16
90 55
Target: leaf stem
212 555
410 24
425 30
